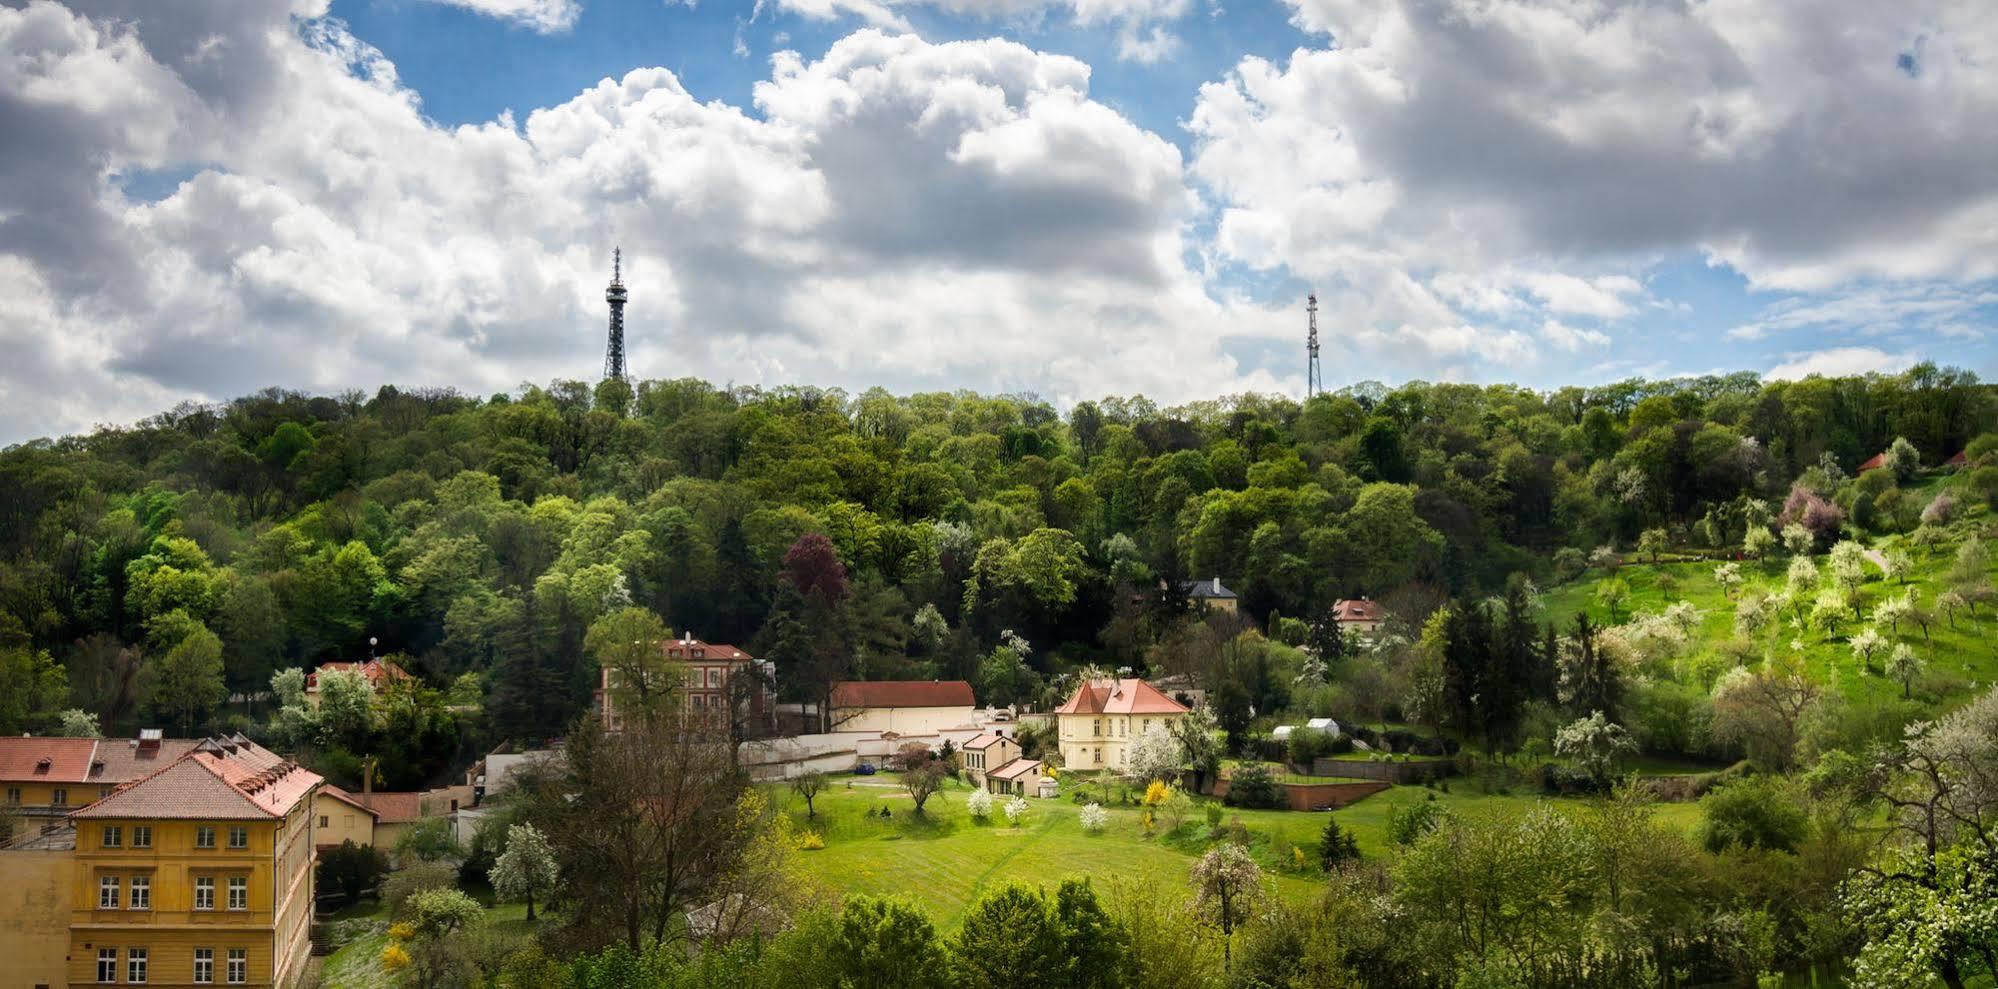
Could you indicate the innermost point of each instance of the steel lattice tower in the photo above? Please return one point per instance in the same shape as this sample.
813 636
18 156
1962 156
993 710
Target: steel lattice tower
1314 379
614 357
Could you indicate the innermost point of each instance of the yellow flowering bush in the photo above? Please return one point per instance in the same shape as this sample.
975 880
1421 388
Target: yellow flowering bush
394 958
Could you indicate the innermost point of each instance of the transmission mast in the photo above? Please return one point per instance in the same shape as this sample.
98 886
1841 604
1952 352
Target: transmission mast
1314 379
615 295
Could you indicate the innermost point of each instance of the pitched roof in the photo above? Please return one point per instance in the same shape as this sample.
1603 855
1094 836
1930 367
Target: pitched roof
985 741
222 778
1016 768
1959 460
392 808
1874 462
902 693
1357 610
124 760
344 797
1127 696
39 759
689 647
378 671
1206 589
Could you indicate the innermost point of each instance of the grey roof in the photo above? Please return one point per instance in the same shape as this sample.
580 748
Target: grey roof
1210 588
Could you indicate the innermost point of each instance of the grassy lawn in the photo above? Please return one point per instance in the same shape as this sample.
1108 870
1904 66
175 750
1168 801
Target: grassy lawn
944 860
1962 659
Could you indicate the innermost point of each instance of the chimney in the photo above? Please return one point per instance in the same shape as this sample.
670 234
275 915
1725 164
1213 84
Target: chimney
368 777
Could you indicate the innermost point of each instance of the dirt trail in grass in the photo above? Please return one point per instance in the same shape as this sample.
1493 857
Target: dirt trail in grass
1028 841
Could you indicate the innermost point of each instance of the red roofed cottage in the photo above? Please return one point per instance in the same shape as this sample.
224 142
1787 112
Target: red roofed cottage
1102 718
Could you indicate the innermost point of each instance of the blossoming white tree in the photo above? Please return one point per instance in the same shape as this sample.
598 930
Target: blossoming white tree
979 804
1094 818
527 868
1015 809
1156 755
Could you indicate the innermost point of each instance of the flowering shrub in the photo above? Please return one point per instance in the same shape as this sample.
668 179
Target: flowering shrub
811 842
402 931
394 958
979 804
1015 809
1094 818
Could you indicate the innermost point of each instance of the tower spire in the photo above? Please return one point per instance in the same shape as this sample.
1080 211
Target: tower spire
1314 379
615 295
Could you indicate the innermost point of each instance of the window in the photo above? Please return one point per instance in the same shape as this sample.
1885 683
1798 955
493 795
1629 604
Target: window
239 966
1099 755
204 836
142 836
322 821
59 798
107 964
239 837
114 836
204 893
107 892
13 796
346 820
714 677
142 892
239 893
204 965
135 965
1096 727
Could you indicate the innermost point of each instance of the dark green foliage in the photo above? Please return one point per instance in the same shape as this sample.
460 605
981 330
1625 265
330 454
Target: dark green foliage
1017 937
1251 785
889 944
1336 845
350 869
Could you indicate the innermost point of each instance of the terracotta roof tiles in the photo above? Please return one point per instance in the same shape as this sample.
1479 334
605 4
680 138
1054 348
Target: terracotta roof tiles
902 693
220 778
1127 696
39 759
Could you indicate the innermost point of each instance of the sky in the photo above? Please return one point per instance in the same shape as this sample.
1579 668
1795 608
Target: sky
1069 198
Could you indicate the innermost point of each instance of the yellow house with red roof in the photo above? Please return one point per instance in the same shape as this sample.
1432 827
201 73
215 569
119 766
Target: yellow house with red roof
1098 723
198 873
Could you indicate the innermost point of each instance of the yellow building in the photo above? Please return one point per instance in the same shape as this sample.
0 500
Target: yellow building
48 777
1098 723
339 817
197 874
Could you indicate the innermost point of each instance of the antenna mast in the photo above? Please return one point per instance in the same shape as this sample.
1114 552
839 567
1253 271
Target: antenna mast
615 295
1314 379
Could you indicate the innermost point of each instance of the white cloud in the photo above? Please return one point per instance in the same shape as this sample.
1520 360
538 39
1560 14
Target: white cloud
543 16
900 213
1141 35
1570 338
1509 156
1873 310
1840 361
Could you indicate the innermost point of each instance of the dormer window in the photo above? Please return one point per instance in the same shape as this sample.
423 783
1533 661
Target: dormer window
42 765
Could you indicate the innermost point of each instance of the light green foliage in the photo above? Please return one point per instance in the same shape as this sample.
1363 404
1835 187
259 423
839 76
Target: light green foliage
346 704
32 685
78 723
526 871
189 679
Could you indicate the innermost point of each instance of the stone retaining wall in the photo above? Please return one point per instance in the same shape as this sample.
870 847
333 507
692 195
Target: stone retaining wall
1312 796
1412 771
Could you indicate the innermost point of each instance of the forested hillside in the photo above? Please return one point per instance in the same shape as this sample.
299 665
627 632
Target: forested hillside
148 569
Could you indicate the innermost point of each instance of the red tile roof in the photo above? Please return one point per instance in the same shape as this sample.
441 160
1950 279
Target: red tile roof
1874 462
378 672
127 759
41 759
1127 696
986 740
1016 768
1357 610
696 650
392 808
902 693
221 778
1957 461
